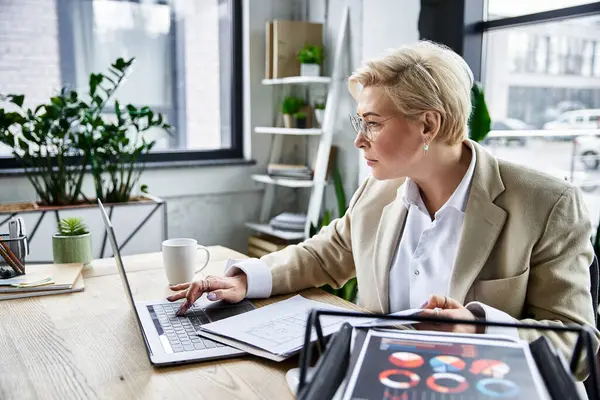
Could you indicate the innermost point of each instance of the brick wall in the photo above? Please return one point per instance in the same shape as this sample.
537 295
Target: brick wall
29 53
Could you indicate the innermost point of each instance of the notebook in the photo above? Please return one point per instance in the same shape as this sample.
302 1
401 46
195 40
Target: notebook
77 287
59 276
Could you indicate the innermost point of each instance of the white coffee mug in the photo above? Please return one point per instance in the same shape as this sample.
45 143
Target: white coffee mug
180 258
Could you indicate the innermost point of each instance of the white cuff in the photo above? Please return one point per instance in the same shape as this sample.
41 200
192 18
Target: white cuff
493 314
258 273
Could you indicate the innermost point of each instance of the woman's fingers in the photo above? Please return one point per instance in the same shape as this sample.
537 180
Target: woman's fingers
216 288
231 295
195 290
177 296
181 286
439 301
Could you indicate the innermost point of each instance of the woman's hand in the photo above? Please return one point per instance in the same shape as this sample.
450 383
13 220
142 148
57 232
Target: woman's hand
232 289
443 306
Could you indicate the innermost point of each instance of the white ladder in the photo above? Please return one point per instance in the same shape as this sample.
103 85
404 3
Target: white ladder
317 184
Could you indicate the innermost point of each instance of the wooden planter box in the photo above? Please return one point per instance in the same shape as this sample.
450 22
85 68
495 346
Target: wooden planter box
140 225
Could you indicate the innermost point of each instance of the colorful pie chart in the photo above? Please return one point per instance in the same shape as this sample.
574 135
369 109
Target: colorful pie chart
399 379
443 382
447 364
406 360
493 368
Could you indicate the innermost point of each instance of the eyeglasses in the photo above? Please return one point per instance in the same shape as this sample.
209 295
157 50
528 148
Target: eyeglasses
369 129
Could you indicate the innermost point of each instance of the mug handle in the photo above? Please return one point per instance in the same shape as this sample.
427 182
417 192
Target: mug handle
200 247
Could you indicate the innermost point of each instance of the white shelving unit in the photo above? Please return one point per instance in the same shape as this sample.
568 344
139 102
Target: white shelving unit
288 131
287 182
325 134
298 80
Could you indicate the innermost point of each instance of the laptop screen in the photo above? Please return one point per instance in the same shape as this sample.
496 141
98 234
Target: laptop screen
117 255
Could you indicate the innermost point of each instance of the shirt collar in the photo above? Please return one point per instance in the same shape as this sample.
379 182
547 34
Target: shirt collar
458 200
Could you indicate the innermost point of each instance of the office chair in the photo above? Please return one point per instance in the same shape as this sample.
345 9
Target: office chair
594 289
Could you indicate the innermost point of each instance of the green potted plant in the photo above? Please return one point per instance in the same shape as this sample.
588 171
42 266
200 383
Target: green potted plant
480 123
55 141
72 243
300 120
290 106
310 58
320 111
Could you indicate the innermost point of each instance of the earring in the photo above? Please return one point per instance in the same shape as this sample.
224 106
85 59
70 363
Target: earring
425 148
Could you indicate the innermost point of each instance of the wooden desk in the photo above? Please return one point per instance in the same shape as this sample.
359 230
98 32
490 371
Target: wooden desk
87 345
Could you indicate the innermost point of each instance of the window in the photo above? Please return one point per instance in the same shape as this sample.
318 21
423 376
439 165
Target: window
498 9
187 64
541 66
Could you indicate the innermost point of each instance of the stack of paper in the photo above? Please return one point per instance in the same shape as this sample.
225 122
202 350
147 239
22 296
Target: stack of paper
42 280
288 222
276 331
290 171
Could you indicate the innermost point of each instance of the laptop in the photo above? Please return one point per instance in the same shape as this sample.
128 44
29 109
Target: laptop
170 339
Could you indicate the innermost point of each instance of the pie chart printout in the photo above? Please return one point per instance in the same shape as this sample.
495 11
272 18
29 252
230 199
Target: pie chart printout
413 366
406 360
447 364
493 368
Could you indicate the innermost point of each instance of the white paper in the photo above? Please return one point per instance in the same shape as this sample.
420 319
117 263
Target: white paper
278 328
389 322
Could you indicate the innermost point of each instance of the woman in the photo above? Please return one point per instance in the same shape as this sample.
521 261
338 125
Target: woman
440 224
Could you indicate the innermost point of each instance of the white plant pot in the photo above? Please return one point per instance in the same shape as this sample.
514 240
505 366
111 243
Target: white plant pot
310 70
320 114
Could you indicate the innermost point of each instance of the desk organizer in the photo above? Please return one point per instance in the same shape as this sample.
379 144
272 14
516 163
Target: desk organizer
334 362
12 256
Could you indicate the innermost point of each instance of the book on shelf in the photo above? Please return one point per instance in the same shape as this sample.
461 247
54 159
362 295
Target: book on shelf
256 252
285 39
269 50
267 243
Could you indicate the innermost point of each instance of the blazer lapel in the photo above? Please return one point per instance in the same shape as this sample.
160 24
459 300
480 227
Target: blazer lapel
389 231
482 224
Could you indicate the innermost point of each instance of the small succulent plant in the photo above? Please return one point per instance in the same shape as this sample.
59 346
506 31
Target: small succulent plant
72 226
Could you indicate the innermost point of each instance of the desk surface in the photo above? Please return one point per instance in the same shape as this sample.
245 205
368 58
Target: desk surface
86 345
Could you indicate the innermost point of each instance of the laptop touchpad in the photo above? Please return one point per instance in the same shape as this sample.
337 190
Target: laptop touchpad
216 312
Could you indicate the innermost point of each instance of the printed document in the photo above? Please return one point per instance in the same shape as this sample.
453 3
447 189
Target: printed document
277 328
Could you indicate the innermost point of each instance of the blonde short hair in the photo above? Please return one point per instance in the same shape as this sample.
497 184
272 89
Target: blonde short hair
420 77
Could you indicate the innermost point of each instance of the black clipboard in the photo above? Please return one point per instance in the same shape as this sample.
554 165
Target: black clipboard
335 359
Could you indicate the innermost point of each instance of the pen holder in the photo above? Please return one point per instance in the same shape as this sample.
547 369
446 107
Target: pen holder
12 256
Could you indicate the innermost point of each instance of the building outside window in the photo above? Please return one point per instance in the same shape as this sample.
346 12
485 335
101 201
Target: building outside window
184 67
542 78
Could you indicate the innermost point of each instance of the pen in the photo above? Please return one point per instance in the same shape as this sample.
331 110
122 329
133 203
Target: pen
11 259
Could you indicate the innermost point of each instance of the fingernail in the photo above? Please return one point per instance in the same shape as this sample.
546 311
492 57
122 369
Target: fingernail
211 296
182 308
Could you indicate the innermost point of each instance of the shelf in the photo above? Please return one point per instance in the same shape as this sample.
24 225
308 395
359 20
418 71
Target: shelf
288 182
297 80
266 228
288 131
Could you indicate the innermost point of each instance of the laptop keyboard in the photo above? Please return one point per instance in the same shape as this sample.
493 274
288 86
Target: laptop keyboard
181 331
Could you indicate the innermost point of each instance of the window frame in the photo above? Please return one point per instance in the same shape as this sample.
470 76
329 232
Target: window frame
233 137
479 28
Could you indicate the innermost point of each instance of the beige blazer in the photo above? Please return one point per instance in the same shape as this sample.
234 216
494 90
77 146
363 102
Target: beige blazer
525 248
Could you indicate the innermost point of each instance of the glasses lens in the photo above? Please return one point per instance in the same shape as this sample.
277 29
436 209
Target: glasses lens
359 125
